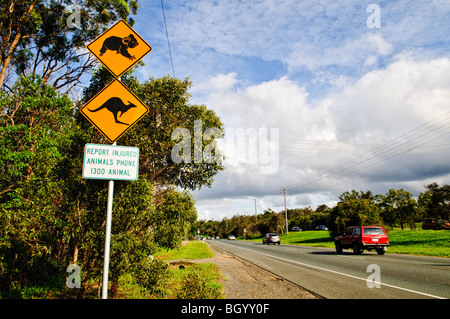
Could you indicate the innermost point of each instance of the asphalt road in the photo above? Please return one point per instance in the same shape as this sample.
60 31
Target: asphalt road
346 275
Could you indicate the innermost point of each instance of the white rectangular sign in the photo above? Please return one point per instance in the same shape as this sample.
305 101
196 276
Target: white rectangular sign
110 162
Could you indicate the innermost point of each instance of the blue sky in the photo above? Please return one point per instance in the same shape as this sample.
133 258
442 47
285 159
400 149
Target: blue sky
338 94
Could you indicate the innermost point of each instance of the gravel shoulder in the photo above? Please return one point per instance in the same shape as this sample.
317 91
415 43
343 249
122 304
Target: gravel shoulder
243 280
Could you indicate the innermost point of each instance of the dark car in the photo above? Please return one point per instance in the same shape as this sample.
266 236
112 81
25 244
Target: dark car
321 227
359 238
434 223
271 238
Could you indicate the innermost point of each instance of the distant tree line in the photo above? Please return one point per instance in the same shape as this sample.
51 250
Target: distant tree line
396 208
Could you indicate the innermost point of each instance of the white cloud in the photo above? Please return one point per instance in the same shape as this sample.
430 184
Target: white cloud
218 83
377 40
208 37
385 103
333 87
380 106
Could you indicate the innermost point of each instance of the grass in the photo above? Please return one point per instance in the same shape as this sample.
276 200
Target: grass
193 280
420 242
308 238
414 242
196 281
193 250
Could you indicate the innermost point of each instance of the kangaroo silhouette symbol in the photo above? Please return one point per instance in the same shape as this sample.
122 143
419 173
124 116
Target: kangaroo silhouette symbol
115 105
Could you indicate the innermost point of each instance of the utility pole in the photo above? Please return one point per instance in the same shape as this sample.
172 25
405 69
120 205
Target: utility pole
285 210
256 213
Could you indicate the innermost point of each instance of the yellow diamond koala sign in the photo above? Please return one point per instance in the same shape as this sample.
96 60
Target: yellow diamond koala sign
119 48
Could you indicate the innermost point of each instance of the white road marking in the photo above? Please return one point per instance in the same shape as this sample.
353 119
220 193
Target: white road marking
353 257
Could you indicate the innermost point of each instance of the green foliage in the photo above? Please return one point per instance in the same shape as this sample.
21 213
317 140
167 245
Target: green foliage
309 237
31 144
420 242
36 38
308 218
399 207
173 217
151 275
160 279
50 216
198 282
193 250
353 209
435 201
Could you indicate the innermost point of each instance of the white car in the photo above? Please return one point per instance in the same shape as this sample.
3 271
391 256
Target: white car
231 237
271 238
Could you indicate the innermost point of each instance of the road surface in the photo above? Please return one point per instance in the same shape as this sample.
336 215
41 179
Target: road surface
346 275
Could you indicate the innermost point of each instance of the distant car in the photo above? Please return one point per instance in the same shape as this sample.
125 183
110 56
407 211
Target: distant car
321 227
434 223
231 237
217 237
296 229
271 238
359 238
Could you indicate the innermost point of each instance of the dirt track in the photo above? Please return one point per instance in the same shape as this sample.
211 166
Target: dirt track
246 281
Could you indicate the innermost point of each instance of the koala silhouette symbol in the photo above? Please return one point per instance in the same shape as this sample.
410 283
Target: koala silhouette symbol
120 45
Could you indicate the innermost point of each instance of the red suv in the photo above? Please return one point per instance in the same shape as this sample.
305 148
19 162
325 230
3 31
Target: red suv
433 223
363 237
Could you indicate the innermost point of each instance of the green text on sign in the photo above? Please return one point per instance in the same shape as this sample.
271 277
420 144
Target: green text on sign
110 162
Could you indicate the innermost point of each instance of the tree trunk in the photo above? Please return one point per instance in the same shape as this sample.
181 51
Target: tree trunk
8 55
75 255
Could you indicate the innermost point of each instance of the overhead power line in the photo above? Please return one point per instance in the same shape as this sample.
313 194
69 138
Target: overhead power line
167 36
405 143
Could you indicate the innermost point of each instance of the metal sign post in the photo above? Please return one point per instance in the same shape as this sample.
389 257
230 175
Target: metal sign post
107 238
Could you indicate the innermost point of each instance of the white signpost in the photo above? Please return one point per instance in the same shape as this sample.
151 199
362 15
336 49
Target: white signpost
111 162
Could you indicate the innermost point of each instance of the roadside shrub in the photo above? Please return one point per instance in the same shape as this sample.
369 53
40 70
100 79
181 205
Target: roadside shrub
196 286
151 276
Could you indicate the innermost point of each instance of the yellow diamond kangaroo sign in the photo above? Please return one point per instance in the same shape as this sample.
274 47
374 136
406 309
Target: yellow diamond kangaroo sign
114 110
119 48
